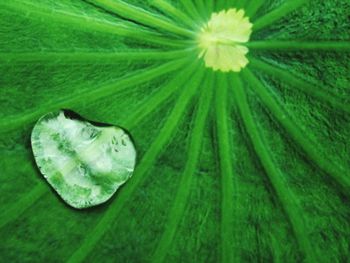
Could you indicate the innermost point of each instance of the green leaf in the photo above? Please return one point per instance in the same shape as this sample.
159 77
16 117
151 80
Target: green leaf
231 167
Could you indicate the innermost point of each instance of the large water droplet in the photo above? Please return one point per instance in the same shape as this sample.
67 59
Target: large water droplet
83 162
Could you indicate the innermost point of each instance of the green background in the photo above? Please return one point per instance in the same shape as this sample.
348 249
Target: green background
248 167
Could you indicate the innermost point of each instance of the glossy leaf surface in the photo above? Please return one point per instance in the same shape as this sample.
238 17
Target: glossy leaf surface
233 167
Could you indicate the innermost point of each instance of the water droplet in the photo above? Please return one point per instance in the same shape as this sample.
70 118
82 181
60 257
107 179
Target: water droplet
84 163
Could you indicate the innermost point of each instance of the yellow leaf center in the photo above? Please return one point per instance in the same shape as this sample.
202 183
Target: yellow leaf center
220 40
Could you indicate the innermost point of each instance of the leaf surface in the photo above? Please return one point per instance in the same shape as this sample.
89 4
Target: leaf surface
244 167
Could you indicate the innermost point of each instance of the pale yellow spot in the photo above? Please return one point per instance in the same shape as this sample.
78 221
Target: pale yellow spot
220 40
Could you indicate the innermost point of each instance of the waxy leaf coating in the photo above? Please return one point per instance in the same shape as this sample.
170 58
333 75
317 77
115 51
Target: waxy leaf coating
237 161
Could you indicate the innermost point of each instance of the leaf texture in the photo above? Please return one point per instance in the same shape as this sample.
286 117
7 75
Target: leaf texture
232 167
